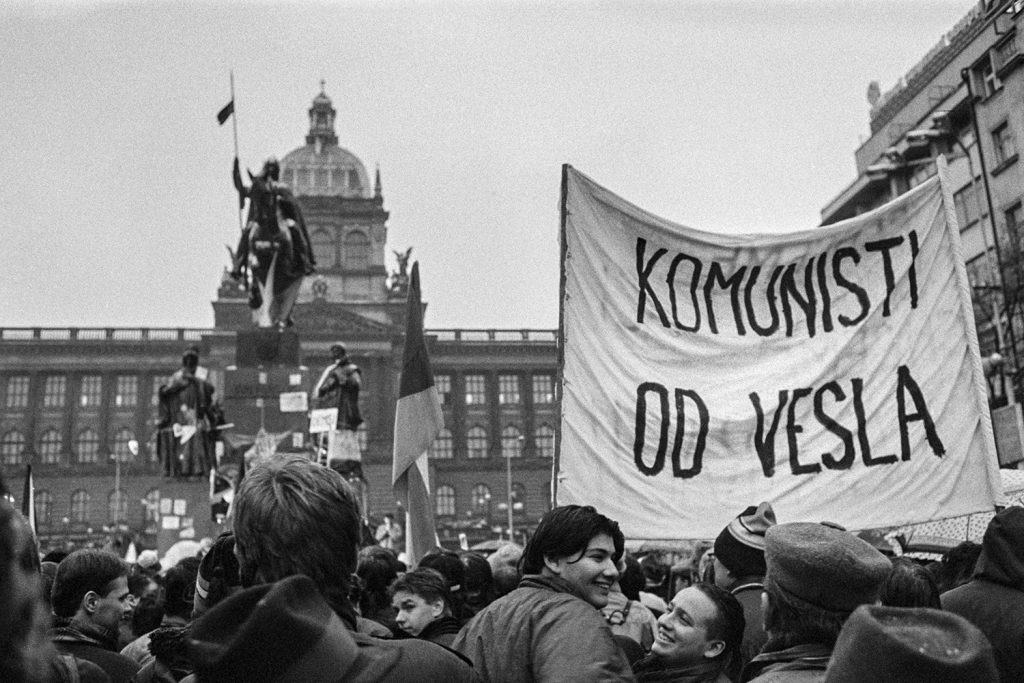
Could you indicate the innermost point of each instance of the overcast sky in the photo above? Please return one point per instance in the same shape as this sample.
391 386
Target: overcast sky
724 116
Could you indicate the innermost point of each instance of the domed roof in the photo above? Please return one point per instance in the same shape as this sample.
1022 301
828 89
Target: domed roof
321 167
325 170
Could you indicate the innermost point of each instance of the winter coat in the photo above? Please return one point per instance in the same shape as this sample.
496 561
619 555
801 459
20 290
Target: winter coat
86 641
441 631
797 664
542 631
993 600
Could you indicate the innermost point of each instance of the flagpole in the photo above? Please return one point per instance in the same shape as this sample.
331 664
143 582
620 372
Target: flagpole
234 130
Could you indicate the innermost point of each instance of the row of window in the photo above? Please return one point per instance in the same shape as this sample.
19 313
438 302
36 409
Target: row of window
13 446
90 393
481 503
543 388
81 510
512 441
355 249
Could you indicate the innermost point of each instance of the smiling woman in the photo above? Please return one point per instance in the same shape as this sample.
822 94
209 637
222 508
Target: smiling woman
549 629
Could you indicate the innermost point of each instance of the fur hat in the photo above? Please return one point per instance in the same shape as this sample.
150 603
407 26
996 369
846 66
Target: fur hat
910 645
149 560
283 631
823 567
740 546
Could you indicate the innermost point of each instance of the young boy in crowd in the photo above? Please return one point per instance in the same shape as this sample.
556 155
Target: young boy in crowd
421 600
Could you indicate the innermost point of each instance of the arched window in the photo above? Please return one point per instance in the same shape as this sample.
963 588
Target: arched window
117 506
80 506
44 507
519 499
120 448
444 501
50 443
476 442
544 439
481 499
442 447
152 505
323 248
12 446
511 442
87 446
356 250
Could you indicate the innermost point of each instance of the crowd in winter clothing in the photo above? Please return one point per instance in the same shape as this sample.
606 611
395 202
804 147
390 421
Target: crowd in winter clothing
293 593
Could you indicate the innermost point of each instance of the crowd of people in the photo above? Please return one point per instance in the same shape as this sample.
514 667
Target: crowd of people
291 594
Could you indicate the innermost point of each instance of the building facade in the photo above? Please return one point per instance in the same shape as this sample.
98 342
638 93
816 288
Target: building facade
964 100
80 405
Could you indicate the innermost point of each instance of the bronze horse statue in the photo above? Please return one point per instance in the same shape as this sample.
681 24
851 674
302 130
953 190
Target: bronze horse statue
276 250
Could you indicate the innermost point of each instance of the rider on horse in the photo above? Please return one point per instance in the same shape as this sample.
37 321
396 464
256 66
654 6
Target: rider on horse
289 211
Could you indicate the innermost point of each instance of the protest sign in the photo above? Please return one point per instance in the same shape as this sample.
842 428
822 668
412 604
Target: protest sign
833 371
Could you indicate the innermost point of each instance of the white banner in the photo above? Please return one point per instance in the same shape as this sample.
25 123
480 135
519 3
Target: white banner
833 372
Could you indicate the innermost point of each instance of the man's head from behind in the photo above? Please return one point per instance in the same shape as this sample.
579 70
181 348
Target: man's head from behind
817 575
292 516
92 585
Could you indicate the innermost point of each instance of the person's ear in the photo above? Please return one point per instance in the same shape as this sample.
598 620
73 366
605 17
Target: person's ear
713 648
437 608
90 601
553 565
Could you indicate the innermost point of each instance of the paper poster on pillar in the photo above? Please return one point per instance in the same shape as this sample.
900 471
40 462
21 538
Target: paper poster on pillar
832 371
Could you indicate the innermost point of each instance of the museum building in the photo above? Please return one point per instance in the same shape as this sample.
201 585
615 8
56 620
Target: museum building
76 401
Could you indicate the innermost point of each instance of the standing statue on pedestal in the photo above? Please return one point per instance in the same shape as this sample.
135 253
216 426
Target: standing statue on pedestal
338 387
274 246
189 417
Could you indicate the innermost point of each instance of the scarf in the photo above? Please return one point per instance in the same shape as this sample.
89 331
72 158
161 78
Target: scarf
651 669
75 630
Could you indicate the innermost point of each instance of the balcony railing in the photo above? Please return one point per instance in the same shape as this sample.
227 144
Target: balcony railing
102 333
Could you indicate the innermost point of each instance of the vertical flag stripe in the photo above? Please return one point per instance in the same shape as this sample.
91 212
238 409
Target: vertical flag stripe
28 499
418 420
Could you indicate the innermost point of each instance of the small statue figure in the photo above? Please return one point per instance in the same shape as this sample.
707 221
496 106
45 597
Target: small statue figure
338 387
400 278
274 245
189 417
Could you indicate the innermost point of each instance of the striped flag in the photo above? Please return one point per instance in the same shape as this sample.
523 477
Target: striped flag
28 499
225 113
418 421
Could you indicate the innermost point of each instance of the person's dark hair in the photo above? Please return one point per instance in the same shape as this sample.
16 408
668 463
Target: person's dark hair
789 623
479 588
566 531
293 516
55 556
147 615
957 566
632 579
729 621
449 565
180 588
83 571
425 582
909 585
377 568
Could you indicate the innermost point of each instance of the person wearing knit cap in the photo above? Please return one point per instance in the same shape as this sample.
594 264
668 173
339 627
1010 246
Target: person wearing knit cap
910 645
739 569
816 576
993 600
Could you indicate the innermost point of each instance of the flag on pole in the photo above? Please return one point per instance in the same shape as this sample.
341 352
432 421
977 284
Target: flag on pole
224 114
28 499
418 421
